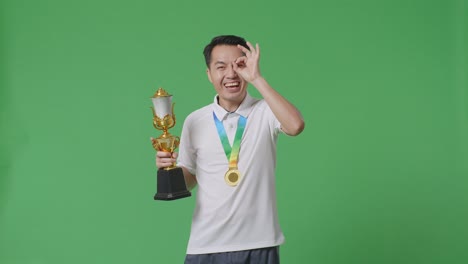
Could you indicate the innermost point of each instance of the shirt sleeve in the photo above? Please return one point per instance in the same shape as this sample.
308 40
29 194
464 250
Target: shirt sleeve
274 123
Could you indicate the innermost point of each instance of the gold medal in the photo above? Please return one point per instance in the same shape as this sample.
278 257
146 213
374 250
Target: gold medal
232 177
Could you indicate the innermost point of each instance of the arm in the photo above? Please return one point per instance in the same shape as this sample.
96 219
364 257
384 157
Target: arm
165 159
287 114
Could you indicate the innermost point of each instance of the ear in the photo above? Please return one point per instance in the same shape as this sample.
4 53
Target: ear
209 75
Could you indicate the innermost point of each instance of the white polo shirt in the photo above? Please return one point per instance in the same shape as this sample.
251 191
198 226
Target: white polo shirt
232 218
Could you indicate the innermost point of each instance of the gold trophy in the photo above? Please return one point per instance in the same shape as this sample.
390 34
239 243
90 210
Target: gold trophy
170 180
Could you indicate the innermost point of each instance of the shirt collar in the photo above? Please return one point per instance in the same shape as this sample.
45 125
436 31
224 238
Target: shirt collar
244 108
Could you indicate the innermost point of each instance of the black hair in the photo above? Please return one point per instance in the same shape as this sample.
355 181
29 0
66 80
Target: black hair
222 40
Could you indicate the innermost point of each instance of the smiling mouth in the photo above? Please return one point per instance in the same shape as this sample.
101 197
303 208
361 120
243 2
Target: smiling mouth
231 85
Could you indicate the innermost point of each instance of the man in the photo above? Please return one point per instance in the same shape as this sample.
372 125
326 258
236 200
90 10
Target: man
228 149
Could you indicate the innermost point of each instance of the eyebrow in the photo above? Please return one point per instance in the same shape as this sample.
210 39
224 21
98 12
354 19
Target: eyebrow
219 62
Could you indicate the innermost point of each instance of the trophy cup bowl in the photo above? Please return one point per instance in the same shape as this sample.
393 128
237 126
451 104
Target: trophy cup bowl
170 180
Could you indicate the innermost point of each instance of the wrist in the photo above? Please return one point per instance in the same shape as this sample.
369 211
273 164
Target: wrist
257 81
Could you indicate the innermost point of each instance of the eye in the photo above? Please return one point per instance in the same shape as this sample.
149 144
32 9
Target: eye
220 67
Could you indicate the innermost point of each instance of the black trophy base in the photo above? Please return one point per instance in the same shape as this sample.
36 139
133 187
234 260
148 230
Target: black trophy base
171 185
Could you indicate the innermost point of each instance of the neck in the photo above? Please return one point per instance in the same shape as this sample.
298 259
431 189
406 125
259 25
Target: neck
230 106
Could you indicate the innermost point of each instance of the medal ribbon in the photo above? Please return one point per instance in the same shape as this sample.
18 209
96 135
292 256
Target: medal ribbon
232 153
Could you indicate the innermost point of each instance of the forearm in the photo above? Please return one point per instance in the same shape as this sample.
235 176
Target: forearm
190 179
287 114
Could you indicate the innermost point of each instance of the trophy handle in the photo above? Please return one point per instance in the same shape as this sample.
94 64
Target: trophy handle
176 143
158 145
173 117
156 124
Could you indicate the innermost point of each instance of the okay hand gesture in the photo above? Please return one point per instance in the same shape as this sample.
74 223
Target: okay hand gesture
247 65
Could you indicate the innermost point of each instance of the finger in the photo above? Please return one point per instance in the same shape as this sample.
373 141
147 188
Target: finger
239 63
244 50
242 59
163 154
235 67
175 155
166 160
161 165
252 49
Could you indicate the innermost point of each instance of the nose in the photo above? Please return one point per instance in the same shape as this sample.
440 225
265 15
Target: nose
230 72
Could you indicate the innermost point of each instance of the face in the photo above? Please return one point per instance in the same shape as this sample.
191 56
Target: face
230 87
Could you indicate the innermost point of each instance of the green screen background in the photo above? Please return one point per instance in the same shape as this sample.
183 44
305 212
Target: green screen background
378 176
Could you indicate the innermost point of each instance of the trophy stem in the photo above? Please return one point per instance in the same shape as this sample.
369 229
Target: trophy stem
169 147
165 134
